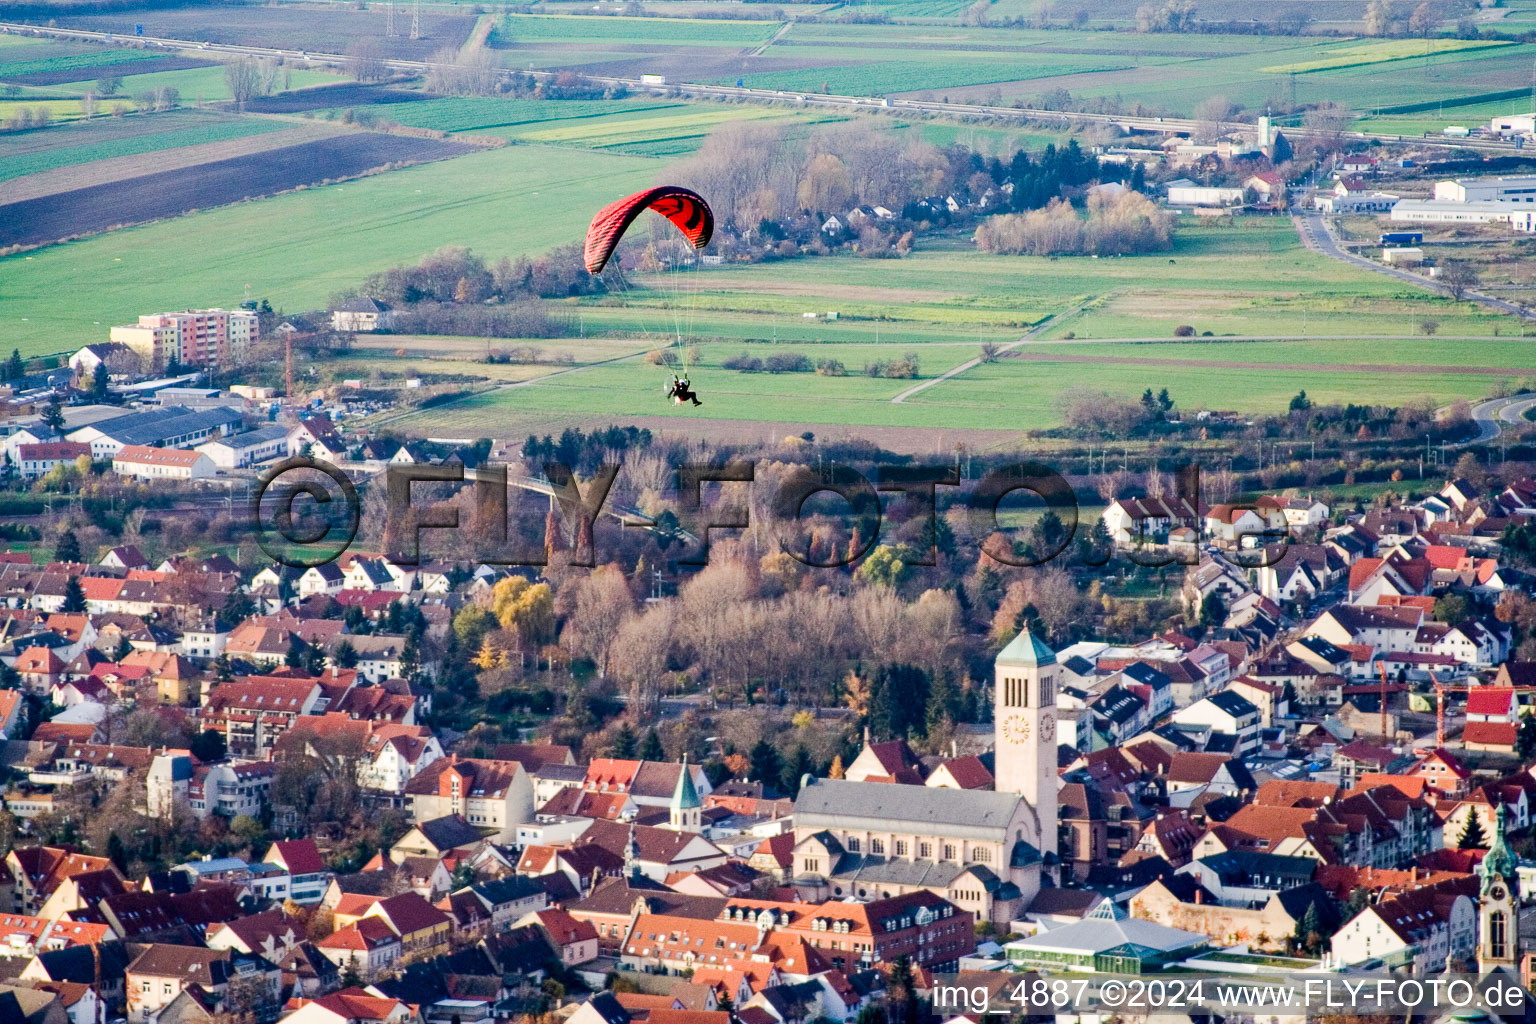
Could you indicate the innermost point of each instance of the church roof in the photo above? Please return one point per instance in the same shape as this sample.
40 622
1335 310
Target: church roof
956 813
1026 651
684 796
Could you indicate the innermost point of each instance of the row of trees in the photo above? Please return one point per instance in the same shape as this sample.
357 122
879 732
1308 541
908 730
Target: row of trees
518 319
249 78
455 275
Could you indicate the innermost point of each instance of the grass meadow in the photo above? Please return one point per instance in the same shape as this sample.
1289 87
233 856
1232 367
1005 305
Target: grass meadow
299 248
942 302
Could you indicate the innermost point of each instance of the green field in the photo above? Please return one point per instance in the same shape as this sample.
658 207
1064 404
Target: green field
1464 114
1379 53
200 85
930 53
114 61
575 29
84 141
1008 394
898 73
1280 318
944 300
299 248
641 127
666 128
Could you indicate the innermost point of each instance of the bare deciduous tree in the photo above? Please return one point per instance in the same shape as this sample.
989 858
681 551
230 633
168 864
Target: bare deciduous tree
1459 277
367 61
248 78
640 650
602 602
1422 21
1378 18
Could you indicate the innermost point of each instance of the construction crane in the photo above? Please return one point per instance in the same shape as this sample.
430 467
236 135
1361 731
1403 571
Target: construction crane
1442 688
1385 736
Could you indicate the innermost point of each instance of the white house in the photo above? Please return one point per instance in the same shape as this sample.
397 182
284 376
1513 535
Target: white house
35 460
144 463
1147 520
249 449
1228 525
1421 928
400 758
362 315
1513 188
324 579
1228 713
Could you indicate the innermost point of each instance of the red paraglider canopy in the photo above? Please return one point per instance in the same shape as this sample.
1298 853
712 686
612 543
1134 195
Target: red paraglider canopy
683 207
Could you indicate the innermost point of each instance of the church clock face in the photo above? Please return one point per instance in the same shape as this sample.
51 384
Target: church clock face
1497 892
1016 728
1047 728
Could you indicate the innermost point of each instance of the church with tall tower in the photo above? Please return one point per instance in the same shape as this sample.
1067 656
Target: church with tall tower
988 852
1024 725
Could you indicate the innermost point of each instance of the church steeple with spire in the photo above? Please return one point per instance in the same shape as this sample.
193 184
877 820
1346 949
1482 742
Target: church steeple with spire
685 810
632 867
1498 940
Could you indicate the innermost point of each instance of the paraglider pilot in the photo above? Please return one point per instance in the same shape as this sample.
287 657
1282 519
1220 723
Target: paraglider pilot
687 211
680 392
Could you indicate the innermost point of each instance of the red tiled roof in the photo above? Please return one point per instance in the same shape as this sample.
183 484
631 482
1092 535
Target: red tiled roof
968 772
369 933
1493 734
143 455
51 450
409 913
1490 700
301 856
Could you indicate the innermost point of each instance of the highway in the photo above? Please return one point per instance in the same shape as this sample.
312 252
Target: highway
1127 122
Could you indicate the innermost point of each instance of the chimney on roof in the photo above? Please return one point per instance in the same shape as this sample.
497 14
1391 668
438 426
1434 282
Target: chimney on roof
1199 897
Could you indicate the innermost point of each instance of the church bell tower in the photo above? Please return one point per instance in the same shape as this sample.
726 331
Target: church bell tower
1024 719
1498 905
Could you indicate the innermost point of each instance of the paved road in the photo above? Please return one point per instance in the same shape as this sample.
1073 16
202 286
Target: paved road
1490 416
1128 122
1317 234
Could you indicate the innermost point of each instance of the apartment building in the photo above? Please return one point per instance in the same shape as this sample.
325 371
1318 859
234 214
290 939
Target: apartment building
194 337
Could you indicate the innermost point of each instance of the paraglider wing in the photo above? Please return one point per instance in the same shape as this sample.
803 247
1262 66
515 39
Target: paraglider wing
683 207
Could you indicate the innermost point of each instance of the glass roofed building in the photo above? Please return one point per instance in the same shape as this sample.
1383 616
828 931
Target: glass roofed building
1107 940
